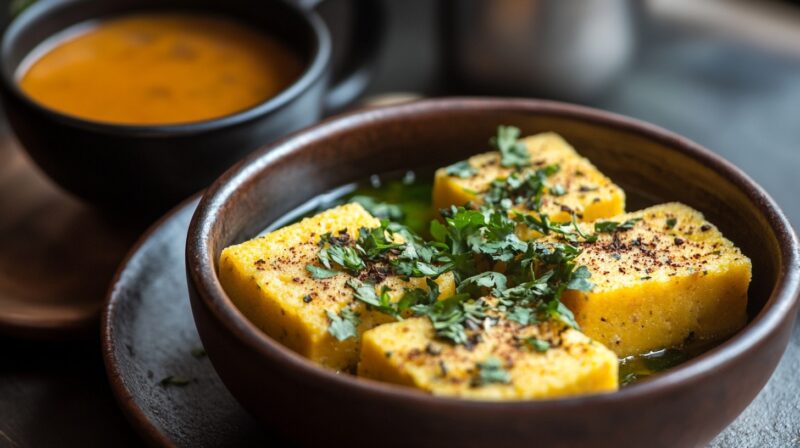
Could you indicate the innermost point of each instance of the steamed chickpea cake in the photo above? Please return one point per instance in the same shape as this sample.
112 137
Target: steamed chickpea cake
158 69
501 300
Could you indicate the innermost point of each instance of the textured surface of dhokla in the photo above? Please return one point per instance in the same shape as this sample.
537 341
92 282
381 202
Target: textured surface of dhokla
582 188
565 363
671 278
267 280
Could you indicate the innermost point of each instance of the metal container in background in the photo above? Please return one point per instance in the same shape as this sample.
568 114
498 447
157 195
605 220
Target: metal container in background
566 49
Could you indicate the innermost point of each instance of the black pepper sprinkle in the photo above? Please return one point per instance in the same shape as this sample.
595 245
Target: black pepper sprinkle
443 366
433 350
705 228
307 299
679 241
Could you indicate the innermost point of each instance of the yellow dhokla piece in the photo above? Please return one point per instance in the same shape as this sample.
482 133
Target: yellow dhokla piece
267 280
407 353
671 278
586 191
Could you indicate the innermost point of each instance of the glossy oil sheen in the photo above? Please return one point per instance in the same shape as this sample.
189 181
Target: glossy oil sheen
158 69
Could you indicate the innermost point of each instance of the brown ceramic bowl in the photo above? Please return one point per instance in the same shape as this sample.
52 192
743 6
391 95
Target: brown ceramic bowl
685 406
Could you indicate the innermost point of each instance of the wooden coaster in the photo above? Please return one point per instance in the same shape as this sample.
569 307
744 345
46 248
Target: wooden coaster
57 254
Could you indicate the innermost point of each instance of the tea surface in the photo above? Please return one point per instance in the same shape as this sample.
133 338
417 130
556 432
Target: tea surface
159 69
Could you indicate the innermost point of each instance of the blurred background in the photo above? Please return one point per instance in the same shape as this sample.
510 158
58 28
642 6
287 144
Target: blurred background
725 73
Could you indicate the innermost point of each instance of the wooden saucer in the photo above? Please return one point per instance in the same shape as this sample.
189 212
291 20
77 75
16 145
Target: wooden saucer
57 254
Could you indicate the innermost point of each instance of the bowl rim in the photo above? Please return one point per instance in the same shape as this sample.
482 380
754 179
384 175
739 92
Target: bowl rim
315 68
203 277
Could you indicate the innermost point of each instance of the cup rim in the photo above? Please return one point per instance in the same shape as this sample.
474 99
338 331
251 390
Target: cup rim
320 57
202 274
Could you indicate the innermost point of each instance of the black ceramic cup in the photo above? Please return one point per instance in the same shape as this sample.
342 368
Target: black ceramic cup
148 168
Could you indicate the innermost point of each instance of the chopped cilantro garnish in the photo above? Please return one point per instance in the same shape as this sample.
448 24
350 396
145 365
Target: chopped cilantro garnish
469 243
346 257
478 285
520 314
338 250
461 169
320 273
560 312
611 226
671 223
579 280
382 302
538 344
513 153
520 189
577 227
490 371
451 316
344 325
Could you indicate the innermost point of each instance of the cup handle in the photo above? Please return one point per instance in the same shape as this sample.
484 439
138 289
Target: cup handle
350 81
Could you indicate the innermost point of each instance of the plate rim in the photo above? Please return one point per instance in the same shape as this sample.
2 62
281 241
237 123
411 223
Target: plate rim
134 414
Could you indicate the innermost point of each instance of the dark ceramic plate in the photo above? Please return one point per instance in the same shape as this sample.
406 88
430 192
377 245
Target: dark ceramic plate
149 334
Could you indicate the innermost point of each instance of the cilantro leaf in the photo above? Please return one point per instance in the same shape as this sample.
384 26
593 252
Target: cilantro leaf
520 189
558 311
577 227
520 314
365 292
628 224
438 231
450 316
537 344
320 273
605 226
579 280
512 152
346 257
490 371
558 190
461 169
476 285
343 326
611 226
